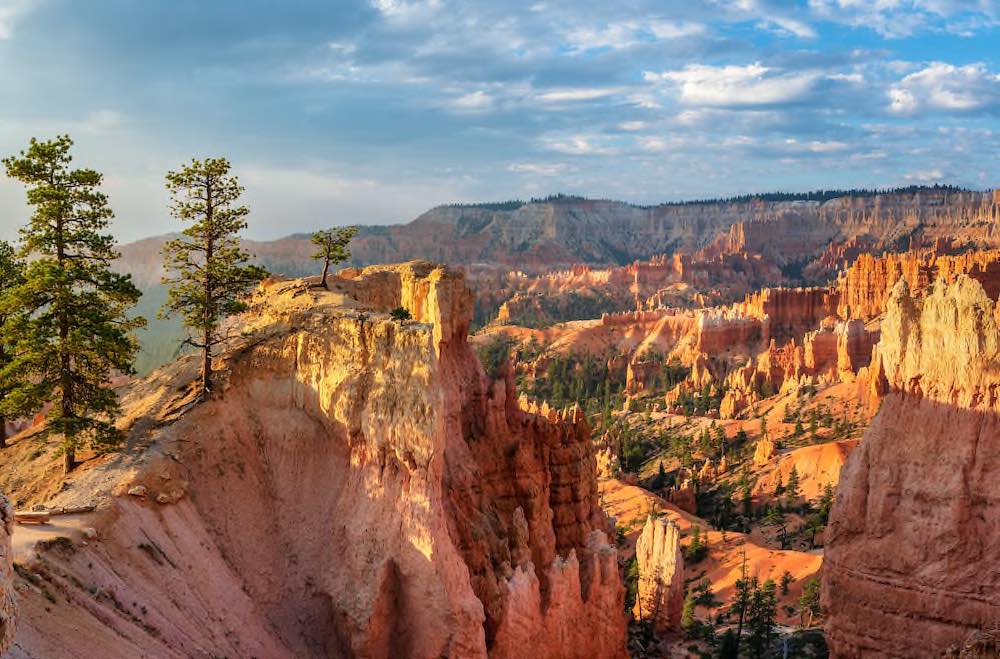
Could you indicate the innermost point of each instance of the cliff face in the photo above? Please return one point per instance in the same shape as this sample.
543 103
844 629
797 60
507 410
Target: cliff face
864 288
358 489
8 608
910 563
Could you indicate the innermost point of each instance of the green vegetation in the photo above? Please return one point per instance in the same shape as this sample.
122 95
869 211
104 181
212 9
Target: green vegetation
332 247
809 607
207 271
399 314
702 402
11 276
67 324
696 550
494 353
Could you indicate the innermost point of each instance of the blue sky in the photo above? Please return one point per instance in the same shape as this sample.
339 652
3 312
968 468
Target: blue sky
371 111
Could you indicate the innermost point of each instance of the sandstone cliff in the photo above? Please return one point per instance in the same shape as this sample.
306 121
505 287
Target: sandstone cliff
8 608
864 288
910 563
357 487
660 595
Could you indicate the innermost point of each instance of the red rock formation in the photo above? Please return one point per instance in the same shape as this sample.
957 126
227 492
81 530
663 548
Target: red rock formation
789 312
356 487
910 563
660 595
8 607
865 286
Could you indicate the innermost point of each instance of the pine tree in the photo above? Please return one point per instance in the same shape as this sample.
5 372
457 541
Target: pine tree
809 601
332 247
743 591
75 331
11 277
688 620
786 580
792 488
762 618
207 271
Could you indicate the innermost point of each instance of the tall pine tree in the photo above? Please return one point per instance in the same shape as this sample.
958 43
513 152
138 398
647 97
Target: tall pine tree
11 277
207 271
75 332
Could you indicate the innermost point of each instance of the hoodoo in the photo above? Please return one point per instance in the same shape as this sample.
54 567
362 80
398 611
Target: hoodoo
910 566
356 487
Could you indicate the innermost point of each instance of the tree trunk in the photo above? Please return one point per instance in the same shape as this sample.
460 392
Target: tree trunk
209 311
326 269
3 431
206 365
65 361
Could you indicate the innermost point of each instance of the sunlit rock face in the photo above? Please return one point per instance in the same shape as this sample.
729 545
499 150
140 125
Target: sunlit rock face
910 566
8 608
660 595
355 487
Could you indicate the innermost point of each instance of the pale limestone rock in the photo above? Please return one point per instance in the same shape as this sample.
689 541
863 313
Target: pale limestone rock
763 452
660 597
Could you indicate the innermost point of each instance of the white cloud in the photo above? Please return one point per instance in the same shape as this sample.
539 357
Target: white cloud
903 18
403 10
10 12
628 34
577 94
477 101
631 126
726 86
580 145
816 146
946 88
791 26
925 176
537 168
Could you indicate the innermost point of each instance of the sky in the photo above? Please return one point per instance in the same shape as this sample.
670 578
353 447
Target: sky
372 111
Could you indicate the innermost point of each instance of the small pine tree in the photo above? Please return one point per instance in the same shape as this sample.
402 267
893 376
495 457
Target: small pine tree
809 607
792 487
11 277
786 580
400 314
779 487
696 550
207 271
688 621
74 329
332 248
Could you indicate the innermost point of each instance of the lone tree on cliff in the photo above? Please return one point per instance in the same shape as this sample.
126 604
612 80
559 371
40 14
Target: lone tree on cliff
11 277
332 247
207 271
74 330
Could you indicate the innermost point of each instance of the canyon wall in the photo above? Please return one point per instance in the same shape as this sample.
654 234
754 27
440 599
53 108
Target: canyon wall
357 487
910 568
864 288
